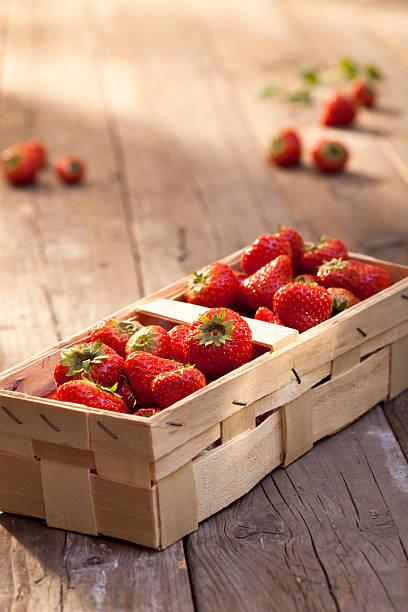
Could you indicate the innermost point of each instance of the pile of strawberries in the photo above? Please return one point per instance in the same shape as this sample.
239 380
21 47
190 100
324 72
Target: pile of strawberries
130 368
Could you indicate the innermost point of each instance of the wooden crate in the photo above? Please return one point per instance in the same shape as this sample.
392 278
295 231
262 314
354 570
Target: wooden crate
152 480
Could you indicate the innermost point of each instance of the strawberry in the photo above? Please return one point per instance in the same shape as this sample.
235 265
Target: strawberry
115 333
259 288
337 110
170 387
361 92
258 350
325 249
150 339
296 243
94 360
219 341
38 149
329 155
214 285
19 165
341 299
338 273
265 314
70 169
125 391
302 305
263 250
240 276
177 337
147 412
372 279
285 148
141 369
90 394
305 278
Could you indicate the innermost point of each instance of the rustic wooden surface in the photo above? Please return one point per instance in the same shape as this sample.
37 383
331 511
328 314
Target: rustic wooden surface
161 98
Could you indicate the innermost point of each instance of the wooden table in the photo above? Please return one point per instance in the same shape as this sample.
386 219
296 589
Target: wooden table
161 98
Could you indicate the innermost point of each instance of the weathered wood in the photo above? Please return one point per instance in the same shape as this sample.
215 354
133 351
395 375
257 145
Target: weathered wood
397 415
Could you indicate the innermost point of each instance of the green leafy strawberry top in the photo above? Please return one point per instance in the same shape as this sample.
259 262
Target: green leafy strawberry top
198 281
319 245
215 330
145 339
126 326
81 359
333 264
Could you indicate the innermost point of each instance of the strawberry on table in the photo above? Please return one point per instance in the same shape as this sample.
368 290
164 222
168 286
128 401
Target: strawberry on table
70 169
265 314
329 155
219 341
338 110
362 92
341 299
296 243
38 150
214 285
170 387
90 394
302 305
263 250
115 333
94 360
259 288
372 279
177 337
338 273
325 249
19 165
141 369
285 148
149 339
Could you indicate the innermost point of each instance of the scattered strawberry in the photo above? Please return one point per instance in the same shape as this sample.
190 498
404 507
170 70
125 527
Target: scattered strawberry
362 93
141 369
329 155
89 394
259 288
125 391
338 273
337 110
94 360
214 285
38 150
19 165
177 337
325 249
115 333
372 279
263 250
305 278
265 314
218 342
70 169
147 412
296 243
240 276
302 305
285 148
150 339
170 387
341 299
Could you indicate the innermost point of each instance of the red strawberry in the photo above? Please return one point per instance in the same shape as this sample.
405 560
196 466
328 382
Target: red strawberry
19 165
218 342
177 337
341 299
372 279
38 149
70 168
115 333
258 350
141 369
259 288
89 394
315 255
337 110
296 243
214 285
150 339
263 250
94 360
305 278
147 412
125 391
338 273
240 276
362 93
302 305
285 148
329 155
264 314
170 387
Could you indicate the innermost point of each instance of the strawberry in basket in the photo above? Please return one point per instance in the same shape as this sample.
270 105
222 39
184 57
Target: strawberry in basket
94 360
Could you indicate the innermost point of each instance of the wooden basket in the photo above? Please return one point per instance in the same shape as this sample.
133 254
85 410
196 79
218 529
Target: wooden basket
152 480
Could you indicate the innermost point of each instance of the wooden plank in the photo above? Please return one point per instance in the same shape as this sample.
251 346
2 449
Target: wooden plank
122 435
387 337
297 427
124 469
399 367
20 486
237 423
16 445
397 415
346 361
63 454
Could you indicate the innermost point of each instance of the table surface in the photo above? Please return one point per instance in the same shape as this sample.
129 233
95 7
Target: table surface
161 99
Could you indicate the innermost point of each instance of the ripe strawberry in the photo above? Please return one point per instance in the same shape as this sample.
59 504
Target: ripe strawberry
19 165
214 285
296 243
70 169
141 369
337 110
218 342
150 339
125 391
325 249
170 387
39 151
265 314
372 279
259 288
302 305
258 350
177 337
285 148
341 299
263 250
338 273
362 93
115 333
89 394
147 412
305 278
94 360
329 155
240 276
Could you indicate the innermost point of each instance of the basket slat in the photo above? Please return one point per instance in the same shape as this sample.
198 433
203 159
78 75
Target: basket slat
399 366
